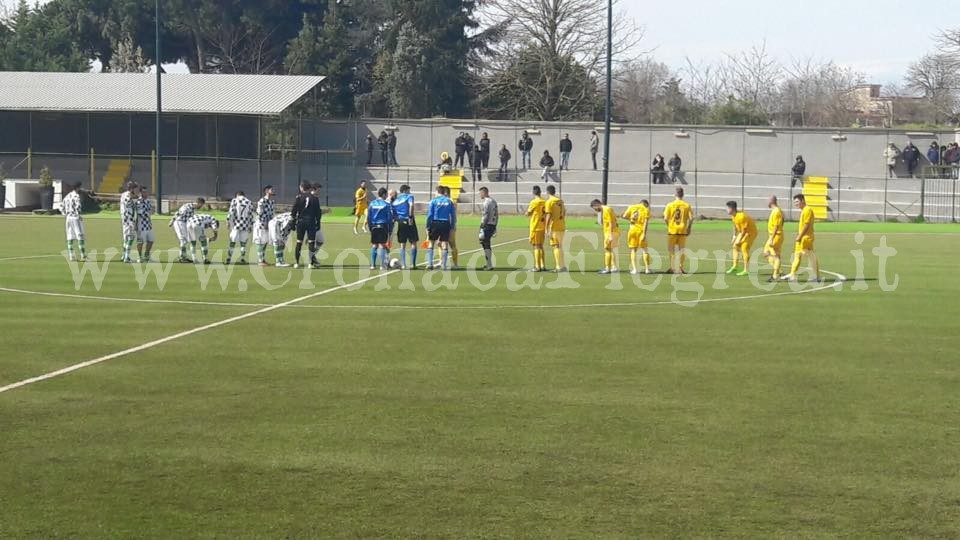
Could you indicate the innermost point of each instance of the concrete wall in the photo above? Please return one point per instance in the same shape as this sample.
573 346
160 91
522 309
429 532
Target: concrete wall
719 164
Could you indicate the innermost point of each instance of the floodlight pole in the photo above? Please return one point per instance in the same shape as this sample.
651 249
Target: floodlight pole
159 112
608 109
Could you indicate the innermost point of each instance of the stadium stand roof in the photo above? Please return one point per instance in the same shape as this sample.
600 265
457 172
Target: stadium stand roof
256 95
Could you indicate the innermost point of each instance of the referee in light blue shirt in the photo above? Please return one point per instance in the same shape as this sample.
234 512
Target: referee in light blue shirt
380 218
441 219
406 226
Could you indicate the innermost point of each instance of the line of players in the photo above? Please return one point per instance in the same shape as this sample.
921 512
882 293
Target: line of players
678 218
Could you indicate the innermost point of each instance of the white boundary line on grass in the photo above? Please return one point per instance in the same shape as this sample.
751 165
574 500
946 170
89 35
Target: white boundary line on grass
197 330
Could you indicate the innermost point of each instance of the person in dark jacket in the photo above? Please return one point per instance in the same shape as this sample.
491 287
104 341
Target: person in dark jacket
504 163
911 156
566 146
459 149
675 164
392 148
525 145
594 147
383 144
369 149
476 168
933 153
547 163
485 150
470 146
657 168
797 171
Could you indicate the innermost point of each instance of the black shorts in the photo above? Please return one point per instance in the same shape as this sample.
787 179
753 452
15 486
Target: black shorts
439 231
306 229
488 232
379 234
407 232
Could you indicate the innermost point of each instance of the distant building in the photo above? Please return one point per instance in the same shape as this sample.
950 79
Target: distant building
873 109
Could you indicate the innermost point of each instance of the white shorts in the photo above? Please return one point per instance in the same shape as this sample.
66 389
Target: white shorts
129 231
180 227
236 235
276 233
195 233
261 236
147 237
75 229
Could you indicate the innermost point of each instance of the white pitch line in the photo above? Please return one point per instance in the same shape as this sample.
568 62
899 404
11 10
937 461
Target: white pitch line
197 330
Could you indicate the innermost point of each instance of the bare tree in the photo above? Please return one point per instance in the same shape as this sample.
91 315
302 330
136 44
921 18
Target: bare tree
819 93
704 83
127 57
753 76
551 61
936 77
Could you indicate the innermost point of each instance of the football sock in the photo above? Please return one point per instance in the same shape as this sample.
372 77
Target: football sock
70 248
278 251
193 250
736 257
797 257
558 256
183 250
83 248
413 254
373 256
204 248
383 257
488 254
262 252
403 256
296 252
745 253
608 260
633 260
646 261
230 248
815 264
243 251
429 256
444 253
455 255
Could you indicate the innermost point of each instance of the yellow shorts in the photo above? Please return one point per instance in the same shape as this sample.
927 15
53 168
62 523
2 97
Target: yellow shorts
748 242
805 244
774 244
359 210
676 241
636 239
556 238
537 238
611 240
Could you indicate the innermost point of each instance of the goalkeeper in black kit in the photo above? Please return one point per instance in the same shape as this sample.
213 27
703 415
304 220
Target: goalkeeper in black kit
306 219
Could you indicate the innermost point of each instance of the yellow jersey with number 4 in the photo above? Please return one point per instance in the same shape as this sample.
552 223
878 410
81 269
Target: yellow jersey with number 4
536 211
558 214
679 217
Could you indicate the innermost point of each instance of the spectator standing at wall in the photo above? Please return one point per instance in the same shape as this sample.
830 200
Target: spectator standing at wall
369 149
911 156
459 148
594 147
392 148
566 146
675 165
469 146
382 143
525 146
477 167
797 172
504 164
891 154
547 163
657 169
485 150
933 153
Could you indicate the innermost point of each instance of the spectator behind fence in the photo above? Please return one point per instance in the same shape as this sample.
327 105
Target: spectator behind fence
911 156
459 149
891 153
933 153
547 163
675 164
504 164
525 145
476 167
566 146
594 147
485 150
383 144
797 171
392 148
369 149
657 168
469 145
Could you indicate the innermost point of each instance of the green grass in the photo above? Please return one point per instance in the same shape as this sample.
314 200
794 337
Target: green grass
461 413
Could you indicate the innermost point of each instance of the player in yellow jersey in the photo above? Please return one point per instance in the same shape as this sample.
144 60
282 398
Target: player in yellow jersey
639 217
536 210
804 241
678 215
360 207
744 235
556 225
611 236
774 245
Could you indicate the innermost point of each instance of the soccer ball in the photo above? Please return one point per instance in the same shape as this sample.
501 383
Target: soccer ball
394 263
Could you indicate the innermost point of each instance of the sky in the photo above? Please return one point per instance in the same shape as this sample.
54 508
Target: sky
869 35
878 37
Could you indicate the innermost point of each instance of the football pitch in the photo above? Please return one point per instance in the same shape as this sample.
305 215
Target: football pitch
173 400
